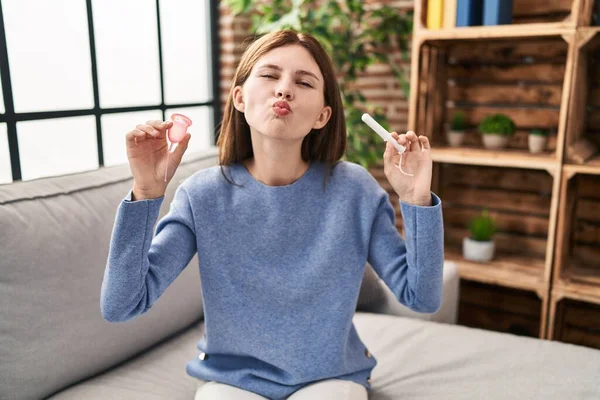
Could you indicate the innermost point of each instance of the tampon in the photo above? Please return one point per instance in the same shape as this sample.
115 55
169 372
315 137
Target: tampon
386 136
380 130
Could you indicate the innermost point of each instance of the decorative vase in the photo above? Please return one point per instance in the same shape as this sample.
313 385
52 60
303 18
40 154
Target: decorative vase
491 141
455 138
497 12
537 143
478 251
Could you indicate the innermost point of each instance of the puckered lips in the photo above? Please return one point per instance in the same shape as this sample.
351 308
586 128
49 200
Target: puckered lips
281 108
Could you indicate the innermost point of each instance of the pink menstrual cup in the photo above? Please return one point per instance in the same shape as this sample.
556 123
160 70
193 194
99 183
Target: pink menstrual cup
176 133
179 128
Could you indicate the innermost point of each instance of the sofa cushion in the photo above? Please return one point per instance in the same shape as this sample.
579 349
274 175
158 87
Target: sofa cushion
55 238
416 360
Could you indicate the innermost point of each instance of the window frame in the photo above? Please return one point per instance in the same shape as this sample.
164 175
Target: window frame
11 118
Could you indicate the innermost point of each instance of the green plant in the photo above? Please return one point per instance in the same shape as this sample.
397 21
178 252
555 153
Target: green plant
540 132
458 121
497 124
355 37
482 227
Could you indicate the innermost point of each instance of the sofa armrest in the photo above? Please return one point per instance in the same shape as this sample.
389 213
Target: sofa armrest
447 313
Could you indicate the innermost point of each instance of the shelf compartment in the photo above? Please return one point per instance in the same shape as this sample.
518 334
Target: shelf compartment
583 127
522 79
507 270
530 18
577 259
574 321
520 201
500 309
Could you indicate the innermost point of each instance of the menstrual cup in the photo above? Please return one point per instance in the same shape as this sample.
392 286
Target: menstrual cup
176 133
179 128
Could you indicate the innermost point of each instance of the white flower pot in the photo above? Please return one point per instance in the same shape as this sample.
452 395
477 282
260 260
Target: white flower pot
478 251
537 143
491 141
455 138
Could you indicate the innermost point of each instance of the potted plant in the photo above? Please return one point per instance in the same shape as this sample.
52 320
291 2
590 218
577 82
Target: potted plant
496 130
537 140
480 246
456 131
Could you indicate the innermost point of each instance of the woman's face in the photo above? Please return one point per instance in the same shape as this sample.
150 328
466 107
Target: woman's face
285 76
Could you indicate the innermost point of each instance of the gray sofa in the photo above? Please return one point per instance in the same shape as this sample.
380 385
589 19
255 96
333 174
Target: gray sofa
54 343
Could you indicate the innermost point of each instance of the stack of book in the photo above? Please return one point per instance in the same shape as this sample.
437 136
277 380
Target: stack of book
445 14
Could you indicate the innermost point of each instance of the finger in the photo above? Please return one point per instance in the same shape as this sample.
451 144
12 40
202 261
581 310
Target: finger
402 140
425 145
387 154
390 155
181 148
149 129
161 126
396 138
135 136
412 137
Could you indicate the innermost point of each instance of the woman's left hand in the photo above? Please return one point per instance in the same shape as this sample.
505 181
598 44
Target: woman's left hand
416 160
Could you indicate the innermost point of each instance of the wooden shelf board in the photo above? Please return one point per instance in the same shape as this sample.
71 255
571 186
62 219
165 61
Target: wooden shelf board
576 291
577 281
498 32
513 271
498 158
591 167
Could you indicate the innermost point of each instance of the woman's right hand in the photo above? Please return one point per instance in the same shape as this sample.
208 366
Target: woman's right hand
147 153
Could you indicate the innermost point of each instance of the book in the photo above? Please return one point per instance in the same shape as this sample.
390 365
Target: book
449 14
434 14
497 12
469 12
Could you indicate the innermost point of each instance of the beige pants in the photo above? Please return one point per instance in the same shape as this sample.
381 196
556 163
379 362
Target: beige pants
331 389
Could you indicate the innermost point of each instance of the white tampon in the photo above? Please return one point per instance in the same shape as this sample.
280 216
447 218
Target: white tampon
386 136
380 130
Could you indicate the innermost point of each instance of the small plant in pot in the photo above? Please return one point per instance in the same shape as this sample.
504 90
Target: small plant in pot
480 246
456 131
496 130
537 140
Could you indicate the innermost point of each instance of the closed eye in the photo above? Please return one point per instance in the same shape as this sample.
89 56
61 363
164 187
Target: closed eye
306 84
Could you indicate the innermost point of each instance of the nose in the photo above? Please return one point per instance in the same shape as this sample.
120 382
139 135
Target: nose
284 91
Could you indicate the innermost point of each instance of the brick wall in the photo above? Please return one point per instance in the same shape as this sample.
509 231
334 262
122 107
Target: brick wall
379 86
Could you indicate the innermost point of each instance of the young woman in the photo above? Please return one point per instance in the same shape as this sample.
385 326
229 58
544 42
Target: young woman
283 230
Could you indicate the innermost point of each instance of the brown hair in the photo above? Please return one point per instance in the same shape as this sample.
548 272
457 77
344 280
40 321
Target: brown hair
326 145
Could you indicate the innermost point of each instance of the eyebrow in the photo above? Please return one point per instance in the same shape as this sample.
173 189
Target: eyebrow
299 72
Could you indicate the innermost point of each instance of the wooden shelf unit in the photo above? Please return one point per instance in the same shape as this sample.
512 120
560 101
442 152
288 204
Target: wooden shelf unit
532 71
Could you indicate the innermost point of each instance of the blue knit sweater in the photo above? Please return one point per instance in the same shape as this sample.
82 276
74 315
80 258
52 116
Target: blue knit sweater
281 268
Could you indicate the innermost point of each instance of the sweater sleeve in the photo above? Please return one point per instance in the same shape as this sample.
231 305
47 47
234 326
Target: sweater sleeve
140 264
412 267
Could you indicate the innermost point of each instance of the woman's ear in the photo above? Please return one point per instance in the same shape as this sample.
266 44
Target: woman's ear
238 98
323 118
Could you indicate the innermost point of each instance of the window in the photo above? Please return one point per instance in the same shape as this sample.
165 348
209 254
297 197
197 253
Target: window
77 75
